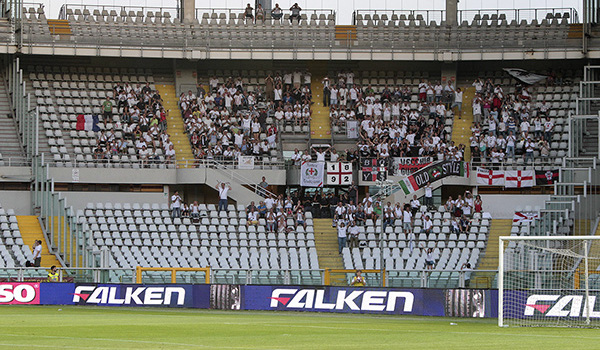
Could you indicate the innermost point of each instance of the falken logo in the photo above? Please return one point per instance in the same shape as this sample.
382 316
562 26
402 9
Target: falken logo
557 306
132 295
357 300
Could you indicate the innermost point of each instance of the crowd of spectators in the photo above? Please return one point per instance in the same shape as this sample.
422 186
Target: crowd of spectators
141 126
280 214
509 125
227 121
399 121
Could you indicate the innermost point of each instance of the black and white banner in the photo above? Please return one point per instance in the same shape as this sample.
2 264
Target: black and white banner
524 76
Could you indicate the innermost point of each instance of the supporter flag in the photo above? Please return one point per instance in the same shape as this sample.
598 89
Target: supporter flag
519 178
490 177
87 122
524 76
372 174
524 216
339 173
409 185
546 177
311 174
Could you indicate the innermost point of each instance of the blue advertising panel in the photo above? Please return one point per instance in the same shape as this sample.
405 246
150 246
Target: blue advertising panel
551 304
193 296
392 301
429 302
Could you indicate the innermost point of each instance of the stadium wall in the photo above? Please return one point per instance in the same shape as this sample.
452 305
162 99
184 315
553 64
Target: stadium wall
503 206
392 301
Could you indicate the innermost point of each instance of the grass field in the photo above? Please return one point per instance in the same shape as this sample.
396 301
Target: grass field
71 327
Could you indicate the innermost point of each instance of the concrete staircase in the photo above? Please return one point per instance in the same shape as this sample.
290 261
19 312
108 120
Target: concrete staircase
320 125
10 145
31 231
481 279
327 249
461 130
183 148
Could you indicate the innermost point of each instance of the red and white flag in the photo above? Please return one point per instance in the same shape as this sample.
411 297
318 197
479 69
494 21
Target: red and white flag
519 178
524 216
490 177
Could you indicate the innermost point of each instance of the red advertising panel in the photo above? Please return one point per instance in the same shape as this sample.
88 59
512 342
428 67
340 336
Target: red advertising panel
19 293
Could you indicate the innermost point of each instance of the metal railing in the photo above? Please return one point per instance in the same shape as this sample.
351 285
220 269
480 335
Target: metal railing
175 12
472 16
316 39
480 279
66 237
27 118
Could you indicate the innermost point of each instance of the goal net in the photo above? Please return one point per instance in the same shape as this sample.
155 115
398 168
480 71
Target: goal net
549 281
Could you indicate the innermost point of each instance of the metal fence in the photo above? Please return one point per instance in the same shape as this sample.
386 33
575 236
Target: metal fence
393 278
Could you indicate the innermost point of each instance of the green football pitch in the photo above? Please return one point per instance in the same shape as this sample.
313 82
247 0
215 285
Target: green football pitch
71 327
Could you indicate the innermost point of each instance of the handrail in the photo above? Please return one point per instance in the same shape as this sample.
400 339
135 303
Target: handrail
243 180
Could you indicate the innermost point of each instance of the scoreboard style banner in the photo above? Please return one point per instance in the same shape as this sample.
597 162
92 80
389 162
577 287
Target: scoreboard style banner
339 173
408 165
374 169
372 300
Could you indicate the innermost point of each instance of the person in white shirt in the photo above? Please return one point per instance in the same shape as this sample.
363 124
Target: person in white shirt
415 205
223 190
429 195
427 224
407 220
37 253
321 153
341 231
176 205
252 217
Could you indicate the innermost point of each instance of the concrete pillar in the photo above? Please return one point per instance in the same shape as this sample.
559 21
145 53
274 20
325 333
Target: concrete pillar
451 12
188 9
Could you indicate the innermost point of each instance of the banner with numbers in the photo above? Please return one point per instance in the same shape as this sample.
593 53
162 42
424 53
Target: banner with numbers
311 174
339 173
374 174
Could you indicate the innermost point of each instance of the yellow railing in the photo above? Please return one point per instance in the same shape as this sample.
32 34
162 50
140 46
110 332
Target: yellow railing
580 277
173 270
330 272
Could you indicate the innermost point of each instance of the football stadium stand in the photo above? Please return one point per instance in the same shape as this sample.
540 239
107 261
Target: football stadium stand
120 123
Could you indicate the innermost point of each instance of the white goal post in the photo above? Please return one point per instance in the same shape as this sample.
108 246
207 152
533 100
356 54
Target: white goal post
549 281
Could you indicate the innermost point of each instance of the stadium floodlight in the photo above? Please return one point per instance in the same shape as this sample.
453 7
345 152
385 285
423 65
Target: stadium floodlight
549 281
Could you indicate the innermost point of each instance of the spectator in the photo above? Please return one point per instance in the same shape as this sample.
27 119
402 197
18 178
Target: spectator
429 259
341 231
427 224
277 12
176 205
53 275
300 218
295 9
37 253
260 13
107 107
271 220
223 190
428 196
415 205
358 280
195 211
407 220
248 12
478 204
252 217
353 232
263 185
